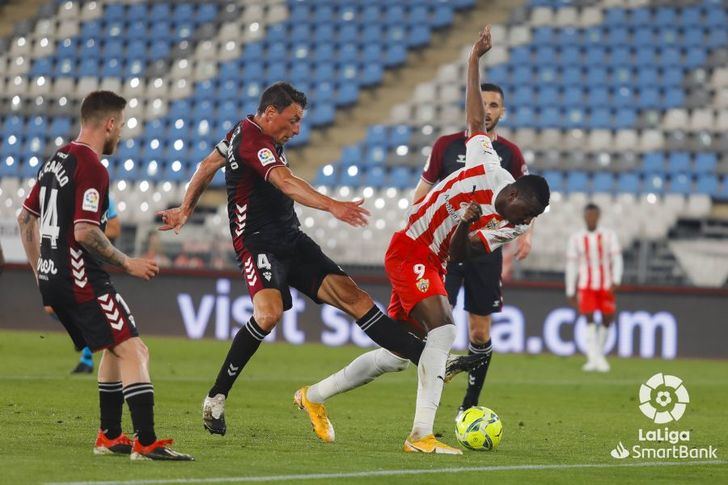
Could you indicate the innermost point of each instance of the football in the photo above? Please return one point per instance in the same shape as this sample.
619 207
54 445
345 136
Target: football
479 428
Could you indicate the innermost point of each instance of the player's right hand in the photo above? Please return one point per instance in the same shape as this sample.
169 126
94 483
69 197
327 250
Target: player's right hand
173 218
484 42
350 212
145 269
472 213
573 301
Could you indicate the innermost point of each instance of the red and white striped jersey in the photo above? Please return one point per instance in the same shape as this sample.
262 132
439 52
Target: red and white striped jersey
593 261
432 220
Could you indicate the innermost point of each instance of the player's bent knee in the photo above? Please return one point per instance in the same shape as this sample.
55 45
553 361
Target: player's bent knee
267 319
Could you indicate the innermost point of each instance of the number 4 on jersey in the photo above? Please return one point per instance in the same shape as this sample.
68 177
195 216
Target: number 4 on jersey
264 264
49 216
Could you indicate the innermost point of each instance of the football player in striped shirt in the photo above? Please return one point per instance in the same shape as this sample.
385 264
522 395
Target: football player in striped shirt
472 211
594 266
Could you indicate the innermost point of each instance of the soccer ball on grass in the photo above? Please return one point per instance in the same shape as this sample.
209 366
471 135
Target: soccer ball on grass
479 428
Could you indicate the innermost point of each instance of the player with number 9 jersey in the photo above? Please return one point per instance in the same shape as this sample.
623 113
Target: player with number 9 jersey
417 255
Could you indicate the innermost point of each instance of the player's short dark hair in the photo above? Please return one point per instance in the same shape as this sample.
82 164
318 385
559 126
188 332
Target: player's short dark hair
535 188
99 104
591 206
493 88
281 95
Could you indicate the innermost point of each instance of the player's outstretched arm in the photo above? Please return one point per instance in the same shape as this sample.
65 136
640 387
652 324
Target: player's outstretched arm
301 191
474 109
92 238
30 237
461 247
176 217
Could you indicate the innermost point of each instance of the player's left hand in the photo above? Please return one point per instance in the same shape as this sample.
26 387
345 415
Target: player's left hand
350 212
524 246
484 42
472 213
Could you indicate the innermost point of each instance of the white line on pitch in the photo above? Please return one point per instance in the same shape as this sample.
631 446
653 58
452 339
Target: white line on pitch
389 473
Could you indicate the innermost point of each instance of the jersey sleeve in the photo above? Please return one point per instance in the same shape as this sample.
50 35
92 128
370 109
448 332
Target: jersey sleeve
433 167
492 239
262 157
223 145
479 151
32 202
90 192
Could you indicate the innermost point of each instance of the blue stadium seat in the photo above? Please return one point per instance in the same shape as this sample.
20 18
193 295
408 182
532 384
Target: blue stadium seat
653 163
376 135
351 177
400 177
603 182
572 76
351 155
375 155
625 118
323 114
707 184
324 179
706 163
371 75
679 162
654 184
399 135
555 180
620 56
600 118
419 36
681 184
375 177
347 94
577 181
629 183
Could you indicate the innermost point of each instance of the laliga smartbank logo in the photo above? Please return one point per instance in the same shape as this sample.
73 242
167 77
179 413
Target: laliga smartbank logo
663 399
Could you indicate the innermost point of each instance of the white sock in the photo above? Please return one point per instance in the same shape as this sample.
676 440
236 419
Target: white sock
360 371
601 339
431 375
591 342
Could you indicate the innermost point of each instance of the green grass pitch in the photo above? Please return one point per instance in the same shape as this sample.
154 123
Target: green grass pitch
553 415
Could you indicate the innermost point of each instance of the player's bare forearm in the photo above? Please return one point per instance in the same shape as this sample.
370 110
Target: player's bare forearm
421 190
299 190
30 236
201 180
459 243
92 238
474 110
113 228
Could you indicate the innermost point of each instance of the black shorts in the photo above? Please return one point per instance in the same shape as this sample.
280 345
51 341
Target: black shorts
294 261
482 280
98 324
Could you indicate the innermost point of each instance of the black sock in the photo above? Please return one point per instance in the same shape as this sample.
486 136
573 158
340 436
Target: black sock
476 378
244 345
391 334
140 398
111 403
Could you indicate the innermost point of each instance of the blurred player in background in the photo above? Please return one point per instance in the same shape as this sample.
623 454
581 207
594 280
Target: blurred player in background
471 212
112 231
594 266
61 227
481 276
